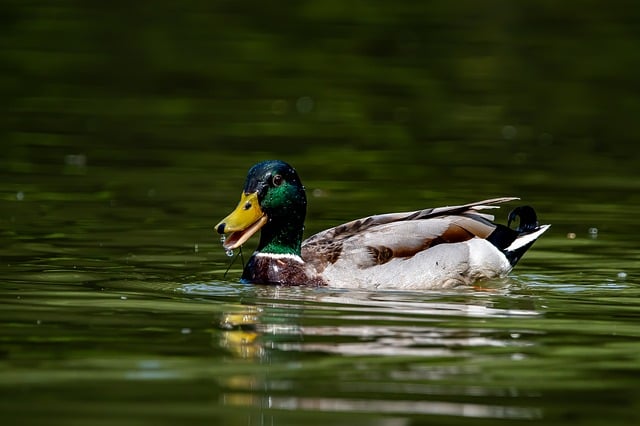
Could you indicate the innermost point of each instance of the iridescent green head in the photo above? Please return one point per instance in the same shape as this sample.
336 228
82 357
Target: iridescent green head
274 200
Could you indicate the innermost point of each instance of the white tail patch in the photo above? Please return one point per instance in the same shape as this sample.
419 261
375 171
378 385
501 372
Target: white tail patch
527 239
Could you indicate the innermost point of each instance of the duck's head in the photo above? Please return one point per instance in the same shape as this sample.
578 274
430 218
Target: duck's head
273 199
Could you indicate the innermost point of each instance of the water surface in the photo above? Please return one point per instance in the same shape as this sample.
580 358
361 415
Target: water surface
117 307
127 131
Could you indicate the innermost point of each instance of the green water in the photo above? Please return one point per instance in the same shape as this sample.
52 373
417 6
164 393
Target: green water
127 131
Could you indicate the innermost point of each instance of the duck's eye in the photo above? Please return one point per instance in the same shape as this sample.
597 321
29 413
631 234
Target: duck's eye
277 180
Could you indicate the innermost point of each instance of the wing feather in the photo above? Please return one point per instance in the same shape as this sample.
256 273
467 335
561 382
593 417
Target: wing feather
380 238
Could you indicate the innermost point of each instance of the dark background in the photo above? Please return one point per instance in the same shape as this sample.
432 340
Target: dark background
533 81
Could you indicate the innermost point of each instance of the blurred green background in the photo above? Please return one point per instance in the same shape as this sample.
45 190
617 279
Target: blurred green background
533 82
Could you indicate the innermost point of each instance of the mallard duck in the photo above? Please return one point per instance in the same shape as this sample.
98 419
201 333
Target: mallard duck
424 249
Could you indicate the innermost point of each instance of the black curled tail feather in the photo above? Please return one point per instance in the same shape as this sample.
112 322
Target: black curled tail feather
513 243
528 219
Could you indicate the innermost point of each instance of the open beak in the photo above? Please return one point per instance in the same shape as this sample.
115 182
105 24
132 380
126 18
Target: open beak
243 222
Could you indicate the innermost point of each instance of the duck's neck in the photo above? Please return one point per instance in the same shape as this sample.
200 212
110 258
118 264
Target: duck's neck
282 236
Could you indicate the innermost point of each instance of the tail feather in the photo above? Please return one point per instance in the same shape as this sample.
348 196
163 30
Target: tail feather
515 242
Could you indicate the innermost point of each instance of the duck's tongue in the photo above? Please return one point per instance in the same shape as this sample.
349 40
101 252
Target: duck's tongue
238 238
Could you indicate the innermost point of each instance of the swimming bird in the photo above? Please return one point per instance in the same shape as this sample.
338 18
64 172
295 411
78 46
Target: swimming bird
433 248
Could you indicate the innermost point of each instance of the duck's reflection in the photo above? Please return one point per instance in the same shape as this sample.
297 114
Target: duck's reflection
339 352
258 332
240 334
360 323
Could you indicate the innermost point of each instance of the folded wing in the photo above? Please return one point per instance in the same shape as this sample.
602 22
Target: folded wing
376 240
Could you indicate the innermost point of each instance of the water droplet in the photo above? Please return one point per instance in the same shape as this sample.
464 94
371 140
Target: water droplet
20 196
185 331
304 104
123 297
509 132
75 160
593 232
622 275
317 192
518 357
195 248
223 239
229 252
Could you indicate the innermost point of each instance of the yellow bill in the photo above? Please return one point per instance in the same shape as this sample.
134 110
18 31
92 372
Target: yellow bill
243 222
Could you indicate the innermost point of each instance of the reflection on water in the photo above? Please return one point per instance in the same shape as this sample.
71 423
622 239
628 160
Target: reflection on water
410 328
405 408
364 325
469 354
